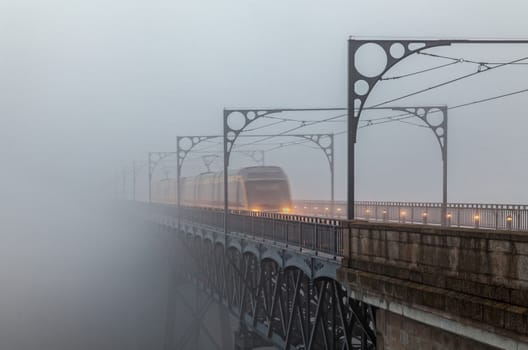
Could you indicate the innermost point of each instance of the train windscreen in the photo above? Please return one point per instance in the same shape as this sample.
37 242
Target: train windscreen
268 195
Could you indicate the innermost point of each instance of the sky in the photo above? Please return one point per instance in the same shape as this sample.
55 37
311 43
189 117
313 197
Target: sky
89 86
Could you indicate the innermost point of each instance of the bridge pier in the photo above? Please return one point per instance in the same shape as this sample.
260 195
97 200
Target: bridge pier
395 332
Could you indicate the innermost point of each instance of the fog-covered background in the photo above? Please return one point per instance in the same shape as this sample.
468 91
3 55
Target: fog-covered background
87 87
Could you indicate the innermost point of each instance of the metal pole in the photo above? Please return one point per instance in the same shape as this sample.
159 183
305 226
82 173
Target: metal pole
179 165
150 177
351 135
226 166
332 176
444 174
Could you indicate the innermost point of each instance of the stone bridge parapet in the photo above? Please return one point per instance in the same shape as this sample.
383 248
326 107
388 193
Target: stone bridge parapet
475 277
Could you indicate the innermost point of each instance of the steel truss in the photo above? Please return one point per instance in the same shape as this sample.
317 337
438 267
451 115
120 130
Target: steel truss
278 306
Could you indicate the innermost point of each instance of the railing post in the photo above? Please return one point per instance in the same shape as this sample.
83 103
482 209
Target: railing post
263 234
273 230
286 236
347 246
335 243
300 236
316 246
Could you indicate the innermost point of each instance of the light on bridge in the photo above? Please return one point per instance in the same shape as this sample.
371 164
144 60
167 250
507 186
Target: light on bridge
509 221
403 216
477 220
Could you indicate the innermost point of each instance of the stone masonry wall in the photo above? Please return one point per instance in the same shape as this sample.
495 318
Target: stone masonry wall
478 275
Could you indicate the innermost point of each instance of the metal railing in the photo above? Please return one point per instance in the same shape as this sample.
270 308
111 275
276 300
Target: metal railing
489 216
320 235
319 227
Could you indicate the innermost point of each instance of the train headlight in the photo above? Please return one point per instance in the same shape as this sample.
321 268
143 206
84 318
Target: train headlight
286 210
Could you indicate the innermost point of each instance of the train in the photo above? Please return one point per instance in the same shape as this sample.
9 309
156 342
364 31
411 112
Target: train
256 188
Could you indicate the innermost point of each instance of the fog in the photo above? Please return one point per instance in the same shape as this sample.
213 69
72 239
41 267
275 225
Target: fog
87 87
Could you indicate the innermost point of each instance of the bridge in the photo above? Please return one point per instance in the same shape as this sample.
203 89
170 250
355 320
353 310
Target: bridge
312 282
351 274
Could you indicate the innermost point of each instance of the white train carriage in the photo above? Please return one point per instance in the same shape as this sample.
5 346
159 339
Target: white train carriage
258 188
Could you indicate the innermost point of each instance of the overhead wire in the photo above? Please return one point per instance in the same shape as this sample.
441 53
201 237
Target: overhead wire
454 60
383 120
465 76
284 133
420 71
265 126
374 121
401 117
487 66
465 60
293 120
291 143
489 98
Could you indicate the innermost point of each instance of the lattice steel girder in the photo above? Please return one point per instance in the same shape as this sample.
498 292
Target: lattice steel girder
283 306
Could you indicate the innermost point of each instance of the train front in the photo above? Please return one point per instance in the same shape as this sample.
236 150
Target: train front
267 189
